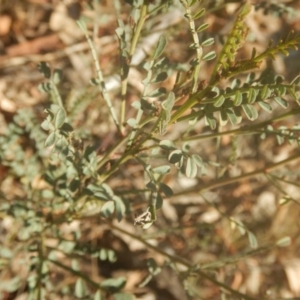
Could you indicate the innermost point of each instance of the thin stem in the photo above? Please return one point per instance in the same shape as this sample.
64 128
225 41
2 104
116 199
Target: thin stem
226 181
125 157
194 99
243 130
76 273
110 152
136 35
138 28
100 75
198 48
182 261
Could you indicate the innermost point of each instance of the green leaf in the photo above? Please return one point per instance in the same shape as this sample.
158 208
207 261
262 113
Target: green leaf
283 103
219 101
136 104
161 63
160 47
158 92
235 84
193 46
199 14
194 62
251 76
280 139
98 296
51 139
250 111
66 127
284 242
111 255
151 186
167 145
169 102
153 268
208 42
252 95
131 122
148 65
280 90
120 32
175 156
120 207
192 2
202 27
67 246
223 117
238 98
197 159
166 189
75 265
44 68
74 185
46 125
211 121
292 93
80 288
45 87
191 168
237 113
160 77
113 284
107 209
163 121
161 170
103 254
252 240
60 117
240 226
209 56
186 147
265 106
57 76
265 92
231 116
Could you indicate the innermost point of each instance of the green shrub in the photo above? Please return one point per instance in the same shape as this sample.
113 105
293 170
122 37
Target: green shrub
70 178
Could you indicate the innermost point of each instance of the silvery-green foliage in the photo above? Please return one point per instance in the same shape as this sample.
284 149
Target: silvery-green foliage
77 177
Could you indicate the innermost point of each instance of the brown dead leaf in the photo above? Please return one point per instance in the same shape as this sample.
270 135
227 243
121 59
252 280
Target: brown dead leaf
36 46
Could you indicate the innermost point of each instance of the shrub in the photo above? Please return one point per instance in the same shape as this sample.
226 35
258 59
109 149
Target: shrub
68 184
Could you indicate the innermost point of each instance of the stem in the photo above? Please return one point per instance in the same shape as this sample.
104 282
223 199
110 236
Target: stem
110 152
138 28
134 41
198 48
227 181
194 99
245 129
100 76
183 262
76 273
125 157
